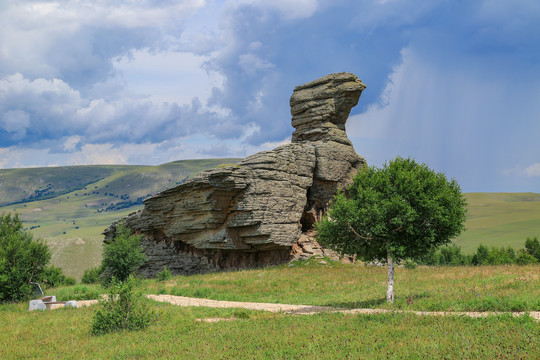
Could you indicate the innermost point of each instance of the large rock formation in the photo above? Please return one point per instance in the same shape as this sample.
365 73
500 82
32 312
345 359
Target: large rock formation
254 213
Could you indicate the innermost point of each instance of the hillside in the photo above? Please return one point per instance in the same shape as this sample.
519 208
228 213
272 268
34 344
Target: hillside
70 206
500 219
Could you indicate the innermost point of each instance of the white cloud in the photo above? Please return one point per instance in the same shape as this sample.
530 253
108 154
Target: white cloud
533 170
95 154
76 40
4 158
15 122
289 10
391 13
251 64
71 143
175 77
464 94
40 109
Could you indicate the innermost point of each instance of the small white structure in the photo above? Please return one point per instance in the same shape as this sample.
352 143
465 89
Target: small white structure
50 303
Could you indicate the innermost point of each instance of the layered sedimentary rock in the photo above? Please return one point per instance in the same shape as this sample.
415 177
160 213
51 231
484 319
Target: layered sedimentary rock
255 212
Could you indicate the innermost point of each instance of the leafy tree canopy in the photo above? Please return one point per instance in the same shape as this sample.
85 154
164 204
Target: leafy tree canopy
123 255
401 210
22 260
404 209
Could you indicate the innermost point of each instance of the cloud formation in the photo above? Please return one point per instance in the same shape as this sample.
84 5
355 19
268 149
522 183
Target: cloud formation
37 110
533 170
453 84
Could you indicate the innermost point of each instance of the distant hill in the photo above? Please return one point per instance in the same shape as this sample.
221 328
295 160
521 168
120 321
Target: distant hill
500 219
70 206
131 181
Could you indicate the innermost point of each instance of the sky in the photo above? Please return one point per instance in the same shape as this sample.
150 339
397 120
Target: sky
454 84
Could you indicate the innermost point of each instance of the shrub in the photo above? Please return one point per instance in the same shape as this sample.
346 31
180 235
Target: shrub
78 292
91 276
122 310
482 256
409 264
122 256
499 256
22 260
524 258
53 277
494 256
164 274
532 246
446 255
451 255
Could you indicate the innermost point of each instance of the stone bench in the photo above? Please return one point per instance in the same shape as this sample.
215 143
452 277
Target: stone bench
50 303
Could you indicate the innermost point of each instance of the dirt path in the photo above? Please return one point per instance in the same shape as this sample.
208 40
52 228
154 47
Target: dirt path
310 309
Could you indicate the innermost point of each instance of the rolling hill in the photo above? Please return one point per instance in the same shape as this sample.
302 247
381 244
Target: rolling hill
70 206
500 219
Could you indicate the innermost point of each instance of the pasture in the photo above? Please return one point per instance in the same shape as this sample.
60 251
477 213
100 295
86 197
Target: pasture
179 332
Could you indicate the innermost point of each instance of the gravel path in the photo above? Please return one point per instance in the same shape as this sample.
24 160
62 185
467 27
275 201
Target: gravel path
310 310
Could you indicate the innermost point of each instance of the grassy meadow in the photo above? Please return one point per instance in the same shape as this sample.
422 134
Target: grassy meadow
500 219
329 283
178 333
65 334
70 207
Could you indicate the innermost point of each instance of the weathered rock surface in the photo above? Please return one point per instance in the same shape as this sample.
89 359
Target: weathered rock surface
254 213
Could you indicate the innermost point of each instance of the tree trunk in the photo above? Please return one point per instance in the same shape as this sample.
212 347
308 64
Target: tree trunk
390 286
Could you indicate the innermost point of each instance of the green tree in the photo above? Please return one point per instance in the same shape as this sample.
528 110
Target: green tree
481 257
524 258
123 255
53 276
402 210
22 260
532 246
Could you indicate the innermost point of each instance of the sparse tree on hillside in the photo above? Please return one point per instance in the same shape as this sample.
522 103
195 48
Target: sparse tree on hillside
401 210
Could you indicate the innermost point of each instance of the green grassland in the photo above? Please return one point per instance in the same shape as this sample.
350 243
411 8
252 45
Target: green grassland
84 200
500 219
65 333
329 283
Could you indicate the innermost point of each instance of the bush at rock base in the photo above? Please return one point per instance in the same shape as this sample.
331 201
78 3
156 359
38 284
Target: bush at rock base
122 255
164 274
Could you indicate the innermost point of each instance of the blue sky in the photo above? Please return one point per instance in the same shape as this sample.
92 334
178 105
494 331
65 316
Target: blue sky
454 84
